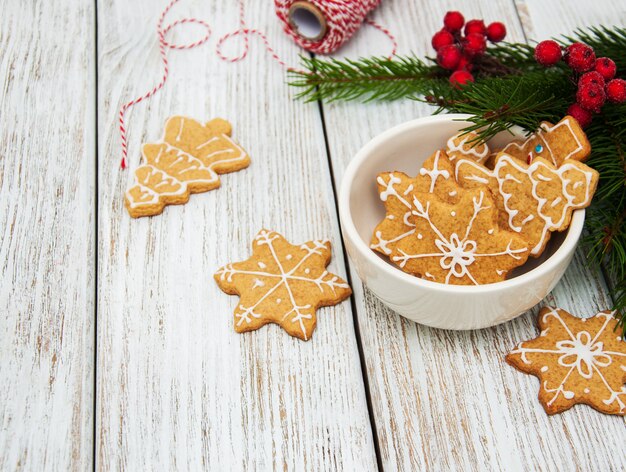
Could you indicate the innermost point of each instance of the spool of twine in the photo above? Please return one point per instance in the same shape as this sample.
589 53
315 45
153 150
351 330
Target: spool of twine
319 26
323 26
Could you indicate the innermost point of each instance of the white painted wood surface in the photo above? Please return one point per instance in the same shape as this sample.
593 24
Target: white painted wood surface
445 400
47 216
176 388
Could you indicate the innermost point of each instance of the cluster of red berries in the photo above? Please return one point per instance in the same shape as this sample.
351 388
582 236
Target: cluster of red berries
458 47
595 76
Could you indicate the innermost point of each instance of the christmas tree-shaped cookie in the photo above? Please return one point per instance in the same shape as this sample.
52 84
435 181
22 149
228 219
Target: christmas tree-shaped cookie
187 160
533 199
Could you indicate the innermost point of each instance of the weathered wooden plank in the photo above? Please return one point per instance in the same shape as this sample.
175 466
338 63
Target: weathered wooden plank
177 387
47 189
445 400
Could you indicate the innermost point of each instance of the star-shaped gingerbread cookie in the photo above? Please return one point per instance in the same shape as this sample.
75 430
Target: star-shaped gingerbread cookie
577 360
282 283
460 243
395 188
468 146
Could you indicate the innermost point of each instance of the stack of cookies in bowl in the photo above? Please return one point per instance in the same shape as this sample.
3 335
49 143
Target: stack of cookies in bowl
473 214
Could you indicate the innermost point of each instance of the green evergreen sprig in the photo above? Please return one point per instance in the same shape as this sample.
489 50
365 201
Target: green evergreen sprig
511 89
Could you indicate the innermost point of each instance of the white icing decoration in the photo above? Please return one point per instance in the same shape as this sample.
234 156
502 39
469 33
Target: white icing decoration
383 244
453 213
258 283
544 129
391 217
262 265
456 254
206 143
194 164
549 223
390 190
476 178
470 151
435 172
452 193
581 353
325 280
544 368
180 129
288 257
490 231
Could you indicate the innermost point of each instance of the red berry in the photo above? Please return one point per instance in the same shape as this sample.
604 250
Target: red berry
448 57
475 26
453 21
583 116
465 64
580 57
548 53
474 44
616 90
442 38
591 97
460 78
592 77
606 67
496 32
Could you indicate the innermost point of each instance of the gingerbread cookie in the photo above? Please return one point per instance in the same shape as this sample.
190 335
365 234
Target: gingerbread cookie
555 143
187 160
467 145
459 243
283 284
395 188
534 199
577 360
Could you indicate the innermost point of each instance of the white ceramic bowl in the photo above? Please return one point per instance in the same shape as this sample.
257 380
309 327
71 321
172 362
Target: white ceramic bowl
404 148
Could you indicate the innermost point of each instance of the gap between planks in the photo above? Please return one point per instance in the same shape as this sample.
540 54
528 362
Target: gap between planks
355 318
94 419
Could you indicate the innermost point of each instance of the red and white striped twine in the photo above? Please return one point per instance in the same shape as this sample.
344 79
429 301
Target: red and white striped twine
344 19
163 45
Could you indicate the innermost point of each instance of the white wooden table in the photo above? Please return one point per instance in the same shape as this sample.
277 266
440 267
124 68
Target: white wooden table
117 350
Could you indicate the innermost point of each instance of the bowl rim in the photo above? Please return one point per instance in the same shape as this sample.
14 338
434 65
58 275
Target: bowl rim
350 231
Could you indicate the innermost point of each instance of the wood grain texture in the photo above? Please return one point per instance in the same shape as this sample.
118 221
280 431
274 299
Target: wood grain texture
178 389
445 400
47 170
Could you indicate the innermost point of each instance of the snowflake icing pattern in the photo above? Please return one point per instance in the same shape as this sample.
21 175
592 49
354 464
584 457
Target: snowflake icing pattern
577 360
457 246
395 190
282 283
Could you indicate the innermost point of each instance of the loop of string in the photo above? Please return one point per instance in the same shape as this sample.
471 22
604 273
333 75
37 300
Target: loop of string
243 31
163 46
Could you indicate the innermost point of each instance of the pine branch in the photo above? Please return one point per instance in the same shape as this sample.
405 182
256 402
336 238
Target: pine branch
511 89
499 104
378 78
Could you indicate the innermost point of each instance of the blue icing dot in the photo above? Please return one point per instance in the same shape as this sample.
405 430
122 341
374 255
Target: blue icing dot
538 148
